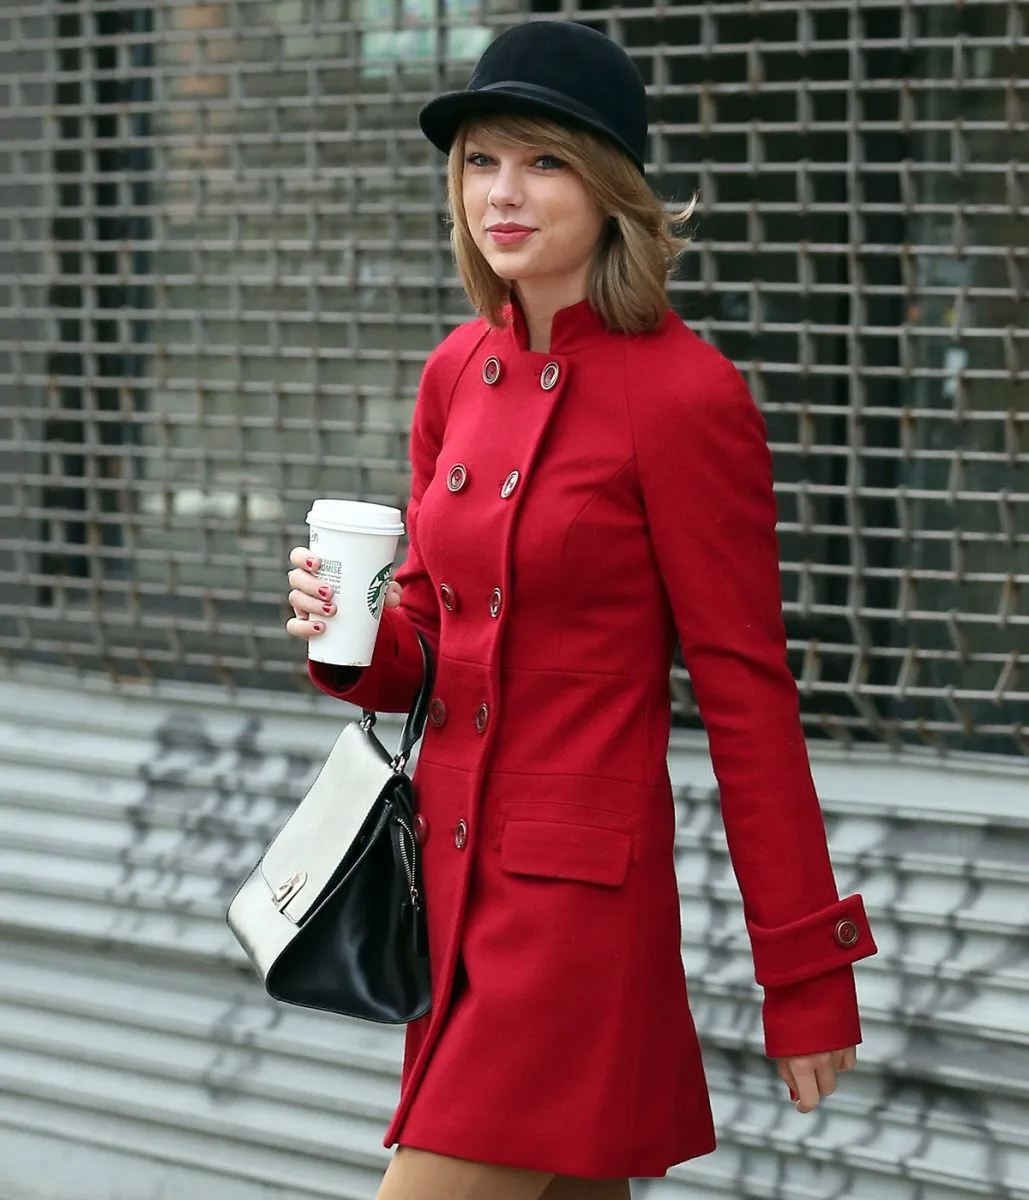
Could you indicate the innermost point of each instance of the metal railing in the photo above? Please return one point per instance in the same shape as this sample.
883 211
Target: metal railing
223 261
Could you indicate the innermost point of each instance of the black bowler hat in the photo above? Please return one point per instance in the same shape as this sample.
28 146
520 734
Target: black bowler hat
557 69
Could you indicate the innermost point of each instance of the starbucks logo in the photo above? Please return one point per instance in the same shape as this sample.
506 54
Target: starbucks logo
377 591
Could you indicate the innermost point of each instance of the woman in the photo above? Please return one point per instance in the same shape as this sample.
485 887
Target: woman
589 481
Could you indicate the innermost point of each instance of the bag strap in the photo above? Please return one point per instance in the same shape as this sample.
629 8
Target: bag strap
414 726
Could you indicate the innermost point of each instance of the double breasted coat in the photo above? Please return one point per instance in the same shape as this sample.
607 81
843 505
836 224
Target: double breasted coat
572 513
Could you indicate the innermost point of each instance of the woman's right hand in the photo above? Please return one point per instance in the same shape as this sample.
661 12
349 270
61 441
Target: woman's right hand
312 600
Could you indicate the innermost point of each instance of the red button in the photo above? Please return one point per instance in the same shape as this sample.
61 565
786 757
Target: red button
448 597
491 370
421 829
437 712
458 477
461 834
846 934
482 718
551 374
496 602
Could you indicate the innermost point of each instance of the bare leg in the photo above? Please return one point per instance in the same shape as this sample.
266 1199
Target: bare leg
564 1187
419 1175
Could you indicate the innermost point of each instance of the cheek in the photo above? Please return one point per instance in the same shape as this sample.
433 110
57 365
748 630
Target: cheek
580 231
581 224
475 194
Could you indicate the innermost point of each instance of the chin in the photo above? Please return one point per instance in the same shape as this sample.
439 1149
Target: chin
508 266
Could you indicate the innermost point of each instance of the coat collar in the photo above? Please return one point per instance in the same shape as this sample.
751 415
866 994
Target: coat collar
573 329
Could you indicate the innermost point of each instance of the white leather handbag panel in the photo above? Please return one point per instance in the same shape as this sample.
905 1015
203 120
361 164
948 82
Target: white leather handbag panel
307 850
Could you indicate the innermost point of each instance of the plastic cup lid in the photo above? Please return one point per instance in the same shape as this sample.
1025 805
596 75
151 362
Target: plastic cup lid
356 516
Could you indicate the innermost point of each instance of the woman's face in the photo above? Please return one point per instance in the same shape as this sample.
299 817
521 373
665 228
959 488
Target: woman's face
529 214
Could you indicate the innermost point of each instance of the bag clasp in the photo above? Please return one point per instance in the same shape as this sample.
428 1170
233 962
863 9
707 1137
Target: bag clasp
286 890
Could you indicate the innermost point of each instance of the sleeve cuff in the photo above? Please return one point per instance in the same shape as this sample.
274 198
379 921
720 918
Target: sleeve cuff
812 1017
390 683
335 681
824 941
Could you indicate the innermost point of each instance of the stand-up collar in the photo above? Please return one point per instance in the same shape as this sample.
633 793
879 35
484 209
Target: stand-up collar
574 327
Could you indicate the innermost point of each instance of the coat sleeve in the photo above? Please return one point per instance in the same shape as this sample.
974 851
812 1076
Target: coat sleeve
392 680
706 478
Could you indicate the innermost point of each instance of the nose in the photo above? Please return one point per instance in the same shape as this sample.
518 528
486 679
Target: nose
506 191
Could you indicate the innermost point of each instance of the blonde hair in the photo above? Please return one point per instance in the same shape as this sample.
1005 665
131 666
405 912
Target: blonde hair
628 283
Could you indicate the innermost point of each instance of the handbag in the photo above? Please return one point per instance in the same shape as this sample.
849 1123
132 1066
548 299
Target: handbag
333 914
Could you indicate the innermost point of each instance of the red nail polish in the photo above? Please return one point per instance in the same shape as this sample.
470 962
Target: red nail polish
310 562
793 1096
318 627
327 609
324 592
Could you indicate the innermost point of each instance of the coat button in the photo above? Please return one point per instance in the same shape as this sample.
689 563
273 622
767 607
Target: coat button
496 600
846 934
551 374
458 477
421 829
491 371
438 712
461 834
448 596
510 483
482 718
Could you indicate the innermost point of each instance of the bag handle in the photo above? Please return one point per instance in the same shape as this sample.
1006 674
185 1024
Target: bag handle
414 726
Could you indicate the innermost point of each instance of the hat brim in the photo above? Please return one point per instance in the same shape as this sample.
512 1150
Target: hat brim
441 118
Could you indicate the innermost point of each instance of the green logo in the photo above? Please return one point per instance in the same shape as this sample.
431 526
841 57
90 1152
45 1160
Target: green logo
377 591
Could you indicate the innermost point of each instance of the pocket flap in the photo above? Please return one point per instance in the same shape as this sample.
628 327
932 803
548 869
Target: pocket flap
558 850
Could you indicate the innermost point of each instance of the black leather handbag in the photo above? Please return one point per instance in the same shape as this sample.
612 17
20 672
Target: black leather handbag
333 914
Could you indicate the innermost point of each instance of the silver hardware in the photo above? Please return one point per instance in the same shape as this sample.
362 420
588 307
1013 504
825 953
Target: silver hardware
286 890
416 899
398 763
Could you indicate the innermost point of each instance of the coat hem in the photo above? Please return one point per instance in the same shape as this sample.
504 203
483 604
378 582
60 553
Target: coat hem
650 1168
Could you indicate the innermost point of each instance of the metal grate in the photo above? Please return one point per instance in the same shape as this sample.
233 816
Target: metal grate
222 262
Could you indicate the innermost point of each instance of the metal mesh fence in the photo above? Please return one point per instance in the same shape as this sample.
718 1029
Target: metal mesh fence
223 260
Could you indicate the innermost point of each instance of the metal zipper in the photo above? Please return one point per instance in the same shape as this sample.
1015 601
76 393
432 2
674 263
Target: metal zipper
416 899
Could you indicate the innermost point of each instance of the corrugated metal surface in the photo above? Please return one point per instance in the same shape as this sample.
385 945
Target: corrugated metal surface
139 1059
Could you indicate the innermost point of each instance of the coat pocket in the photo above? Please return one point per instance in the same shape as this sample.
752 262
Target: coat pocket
559 850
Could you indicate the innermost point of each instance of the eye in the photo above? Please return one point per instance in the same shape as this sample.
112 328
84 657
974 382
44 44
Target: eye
477 159
549 162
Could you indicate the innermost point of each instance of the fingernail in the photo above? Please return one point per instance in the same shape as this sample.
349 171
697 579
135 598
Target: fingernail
318 626
310 562
327 609
326 592
793 1095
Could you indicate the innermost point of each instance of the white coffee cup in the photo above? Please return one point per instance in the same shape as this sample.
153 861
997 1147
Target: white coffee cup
356 544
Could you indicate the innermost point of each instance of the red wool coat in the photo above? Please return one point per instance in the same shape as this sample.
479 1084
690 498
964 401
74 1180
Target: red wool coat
571 513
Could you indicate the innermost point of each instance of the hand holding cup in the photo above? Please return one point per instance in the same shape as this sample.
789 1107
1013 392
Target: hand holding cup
312 600
341 581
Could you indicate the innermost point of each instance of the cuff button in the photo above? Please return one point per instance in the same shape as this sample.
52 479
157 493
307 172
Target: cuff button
846 934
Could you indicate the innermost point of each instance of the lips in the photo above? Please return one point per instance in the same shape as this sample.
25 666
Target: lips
509 235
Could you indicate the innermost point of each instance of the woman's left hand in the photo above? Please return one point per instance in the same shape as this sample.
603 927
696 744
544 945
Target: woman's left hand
812 1076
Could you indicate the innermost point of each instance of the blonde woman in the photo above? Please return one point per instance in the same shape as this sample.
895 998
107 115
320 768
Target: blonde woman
591 481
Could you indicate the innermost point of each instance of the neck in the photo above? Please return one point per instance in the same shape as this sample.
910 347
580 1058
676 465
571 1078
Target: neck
541 301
